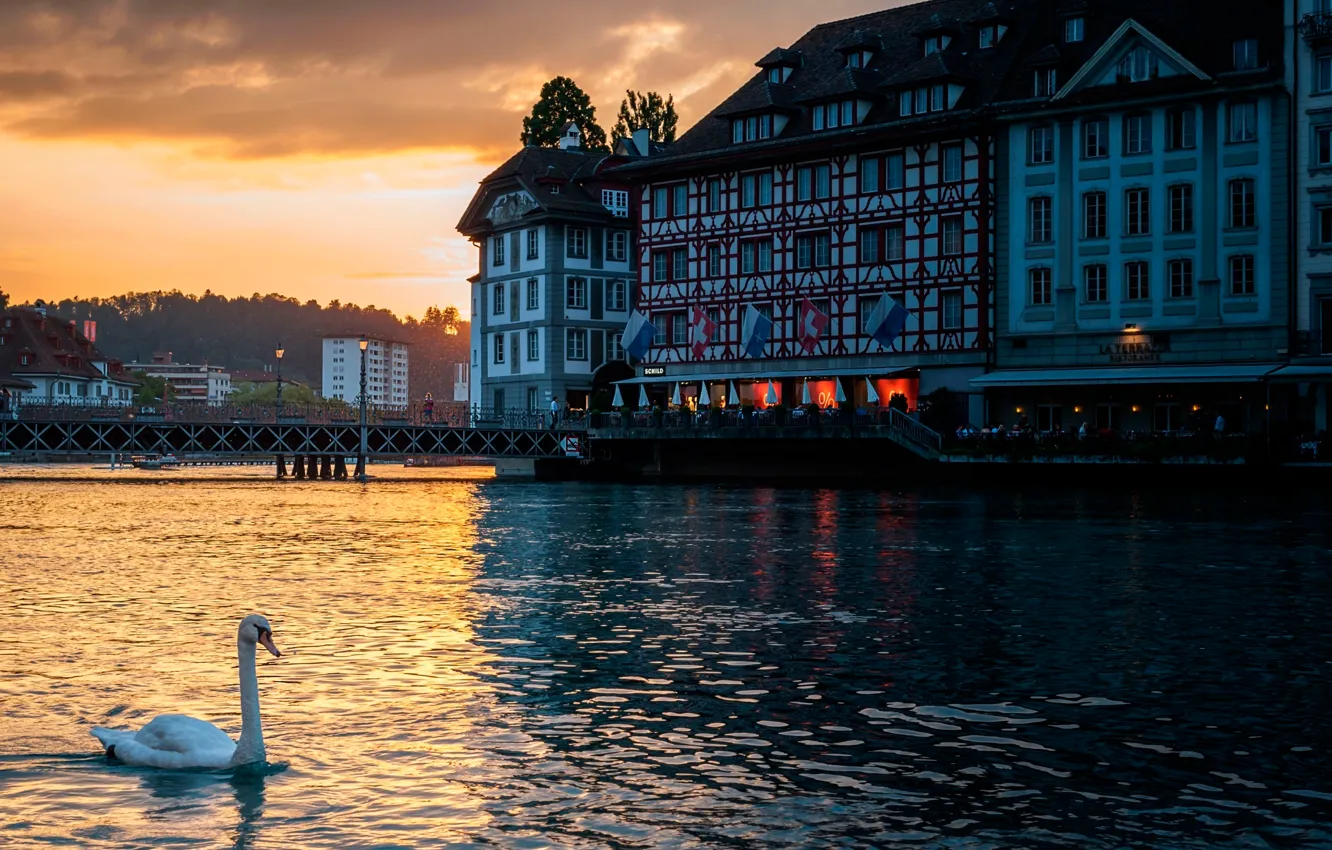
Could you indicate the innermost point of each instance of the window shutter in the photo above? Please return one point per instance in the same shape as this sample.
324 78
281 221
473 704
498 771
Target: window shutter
596 290
515 243
596 236
596 347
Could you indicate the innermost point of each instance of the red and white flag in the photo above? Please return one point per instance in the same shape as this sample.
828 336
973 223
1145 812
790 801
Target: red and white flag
812 322
701 330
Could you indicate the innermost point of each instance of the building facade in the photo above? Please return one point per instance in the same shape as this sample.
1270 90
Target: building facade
386 366
1143 218
858 165
189 382
552 296
49 360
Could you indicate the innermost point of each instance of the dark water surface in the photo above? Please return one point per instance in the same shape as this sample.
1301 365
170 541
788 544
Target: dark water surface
488 664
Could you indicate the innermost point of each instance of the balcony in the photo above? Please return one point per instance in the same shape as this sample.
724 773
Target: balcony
1316 28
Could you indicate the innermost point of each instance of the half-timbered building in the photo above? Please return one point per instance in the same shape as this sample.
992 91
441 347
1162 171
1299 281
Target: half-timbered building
856 165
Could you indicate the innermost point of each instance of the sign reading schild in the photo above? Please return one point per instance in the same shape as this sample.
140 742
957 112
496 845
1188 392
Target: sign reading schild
654 371
1140 350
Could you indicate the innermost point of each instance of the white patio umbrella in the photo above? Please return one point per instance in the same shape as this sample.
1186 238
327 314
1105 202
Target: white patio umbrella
771 396
871 395
733 400
704 400
675 396
804 393
642 396
618 401
841 393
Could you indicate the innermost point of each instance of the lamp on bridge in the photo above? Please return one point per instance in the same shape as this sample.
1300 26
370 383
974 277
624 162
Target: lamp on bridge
360 458
280 351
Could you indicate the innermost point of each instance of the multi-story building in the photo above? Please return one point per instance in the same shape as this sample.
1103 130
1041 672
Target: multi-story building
1309 80
856 166
386 364
1143 217
557 263
49 360
189 382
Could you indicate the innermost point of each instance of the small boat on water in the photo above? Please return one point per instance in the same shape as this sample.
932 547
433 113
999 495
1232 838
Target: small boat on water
167 461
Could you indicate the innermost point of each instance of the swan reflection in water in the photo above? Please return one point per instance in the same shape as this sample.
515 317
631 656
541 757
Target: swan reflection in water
183 791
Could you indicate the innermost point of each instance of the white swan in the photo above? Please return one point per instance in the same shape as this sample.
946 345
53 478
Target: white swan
175 742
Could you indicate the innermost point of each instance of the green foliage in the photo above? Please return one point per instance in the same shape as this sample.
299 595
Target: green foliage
898 402
639 110
248 392
563 101
151 389
241 333
4 299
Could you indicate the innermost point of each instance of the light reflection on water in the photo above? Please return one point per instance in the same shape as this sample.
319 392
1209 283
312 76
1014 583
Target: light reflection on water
490 664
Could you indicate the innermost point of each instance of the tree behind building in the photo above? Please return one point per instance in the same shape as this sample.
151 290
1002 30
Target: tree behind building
563 101
639 111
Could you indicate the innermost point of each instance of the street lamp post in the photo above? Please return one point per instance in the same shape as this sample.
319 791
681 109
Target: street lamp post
280 351
360 458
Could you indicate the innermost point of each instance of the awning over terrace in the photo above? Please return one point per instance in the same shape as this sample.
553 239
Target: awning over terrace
1227 374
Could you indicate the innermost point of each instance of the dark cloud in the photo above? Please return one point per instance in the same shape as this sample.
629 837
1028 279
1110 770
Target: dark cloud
258 78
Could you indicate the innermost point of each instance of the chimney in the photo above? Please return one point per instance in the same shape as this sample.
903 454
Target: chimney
90 330
40 307
643 141
162 358
571 138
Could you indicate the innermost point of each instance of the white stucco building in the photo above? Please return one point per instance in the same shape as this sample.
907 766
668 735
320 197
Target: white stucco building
385 370
189 381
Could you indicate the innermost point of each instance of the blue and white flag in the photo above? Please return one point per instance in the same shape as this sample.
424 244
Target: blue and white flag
638 335
887 321
755 331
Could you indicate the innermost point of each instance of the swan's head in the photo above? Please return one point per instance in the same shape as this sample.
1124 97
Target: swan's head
255 629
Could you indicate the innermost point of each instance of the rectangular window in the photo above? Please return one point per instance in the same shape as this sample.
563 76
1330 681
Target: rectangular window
894 171
617 201
497 298
1324 225
1137 212
1246 54
1041 288
936 98
822 251
869 175
533 294
951 303
1243 121
497 250
680 200
747 255
714 261
952 163
822 182
1242 212
737 131
1181 278
659 267
894 242
1137 134
817 117
714 195
765 127
497 345
748 191
1241 275
765 255
679 329
869 246
617 347
1137 282
765 188
679 264
1072 30
1038 220
1322 74
1096 138
985 38
1041 144
617 295
751 128
1181 130
576 345
619 247
1094 286
1322 152
804 183
578 242
1181 208
660 321
950 228
1093 215
804 251
1044 82
714 316
848 113
659 203
533 244
533 345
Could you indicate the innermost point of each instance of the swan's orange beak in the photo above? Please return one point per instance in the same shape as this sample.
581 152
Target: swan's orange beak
267 640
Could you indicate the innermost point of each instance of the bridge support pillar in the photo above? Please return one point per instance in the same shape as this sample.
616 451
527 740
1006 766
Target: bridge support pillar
281 466
360 467
340 468
298 468
326 467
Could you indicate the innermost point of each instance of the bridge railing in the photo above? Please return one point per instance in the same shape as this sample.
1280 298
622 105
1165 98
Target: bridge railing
906 426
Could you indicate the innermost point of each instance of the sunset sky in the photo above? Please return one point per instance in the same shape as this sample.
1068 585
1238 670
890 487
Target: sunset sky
316 148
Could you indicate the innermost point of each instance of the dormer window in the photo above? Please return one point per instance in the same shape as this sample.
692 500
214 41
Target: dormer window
777 75
1044 84
1073 30
933 45
854 60
617 201
1246 54
830 116
1138 66
753 128
922 100
985 39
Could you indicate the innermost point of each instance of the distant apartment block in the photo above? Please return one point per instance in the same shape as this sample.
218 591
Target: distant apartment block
188 381
385 370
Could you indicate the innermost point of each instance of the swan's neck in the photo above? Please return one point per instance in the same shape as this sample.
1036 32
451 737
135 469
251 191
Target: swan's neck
250 747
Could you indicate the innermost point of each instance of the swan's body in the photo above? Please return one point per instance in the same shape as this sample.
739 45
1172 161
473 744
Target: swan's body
174 741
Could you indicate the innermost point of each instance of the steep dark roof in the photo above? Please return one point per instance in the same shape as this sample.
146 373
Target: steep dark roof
535 169
898 61
56 347
1201 31
859 39
780 56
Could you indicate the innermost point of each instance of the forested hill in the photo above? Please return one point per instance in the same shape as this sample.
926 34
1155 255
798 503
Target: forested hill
242 333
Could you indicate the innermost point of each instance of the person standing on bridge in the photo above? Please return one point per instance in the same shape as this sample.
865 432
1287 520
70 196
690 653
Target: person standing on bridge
554 411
